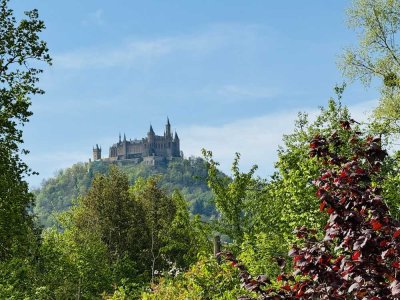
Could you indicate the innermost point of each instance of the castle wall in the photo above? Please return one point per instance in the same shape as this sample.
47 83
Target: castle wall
161 147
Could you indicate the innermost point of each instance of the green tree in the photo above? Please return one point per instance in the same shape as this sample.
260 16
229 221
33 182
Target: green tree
159 211
206 279
73 264
377 55
109 211
187 237
231 197
20 48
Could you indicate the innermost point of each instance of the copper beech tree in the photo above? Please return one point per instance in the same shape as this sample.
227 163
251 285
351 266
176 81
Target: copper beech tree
358 258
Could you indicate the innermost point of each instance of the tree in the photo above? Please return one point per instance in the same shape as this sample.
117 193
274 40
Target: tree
231 196
109 212
358 257
377 55
72 267
159 211
287 200
187 237
20 48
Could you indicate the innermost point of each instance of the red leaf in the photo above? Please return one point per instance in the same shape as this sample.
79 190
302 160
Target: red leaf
396 264
286 287
376 225
297 258
322 206
383 243
356 255
397 233
330 210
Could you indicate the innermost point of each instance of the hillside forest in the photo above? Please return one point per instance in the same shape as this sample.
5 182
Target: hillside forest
325 225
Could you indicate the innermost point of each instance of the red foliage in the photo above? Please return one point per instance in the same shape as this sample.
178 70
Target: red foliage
359 255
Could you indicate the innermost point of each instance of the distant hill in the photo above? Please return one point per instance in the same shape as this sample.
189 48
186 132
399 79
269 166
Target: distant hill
188 175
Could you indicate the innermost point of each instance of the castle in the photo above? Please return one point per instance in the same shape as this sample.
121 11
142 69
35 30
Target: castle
153 149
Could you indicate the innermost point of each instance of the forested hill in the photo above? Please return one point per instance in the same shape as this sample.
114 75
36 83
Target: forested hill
187 175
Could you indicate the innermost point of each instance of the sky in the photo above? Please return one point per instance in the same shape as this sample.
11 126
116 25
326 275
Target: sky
230 75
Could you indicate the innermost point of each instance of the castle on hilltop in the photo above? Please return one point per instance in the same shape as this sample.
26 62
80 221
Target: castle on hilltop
152 149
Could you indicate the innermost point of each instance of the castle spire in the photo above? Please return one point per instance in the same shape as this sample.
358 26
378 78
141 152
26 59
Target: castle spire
124 137
168 129
120 137
151 129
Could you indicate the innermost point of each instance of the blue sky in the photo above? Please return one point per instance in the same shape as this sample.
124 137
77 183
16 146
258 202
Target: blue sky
231 75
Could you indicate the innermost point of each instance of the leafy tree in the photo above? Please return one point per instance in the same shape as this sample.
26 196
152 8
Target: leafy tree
274 208
20 47
187 237
187 175
73 264
159 211
108 211
204 280
231 197
358 256
377 55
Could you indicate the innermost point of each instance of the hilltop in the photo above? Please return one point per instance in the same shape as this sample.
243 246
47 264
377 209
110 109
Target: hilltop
57 194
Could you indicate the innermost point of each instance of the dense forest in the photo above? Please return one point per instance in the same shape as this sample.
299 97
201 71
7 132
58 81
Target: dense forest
325 225
189 176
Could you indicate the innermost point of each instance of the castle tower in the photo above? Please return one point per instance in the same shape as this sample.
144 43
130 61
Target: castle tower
151 138
177 148
151 135
96 153
124 147
168 130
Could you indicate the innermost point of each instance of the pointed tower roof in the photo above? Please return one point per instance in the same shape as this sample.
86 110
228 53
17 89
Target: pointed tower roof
120 137
176 136
124 137
151 129
168 121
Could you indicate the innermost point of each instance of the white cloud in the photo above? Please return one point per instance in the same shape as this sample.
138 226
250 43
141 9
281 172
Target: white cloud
257 139
135 52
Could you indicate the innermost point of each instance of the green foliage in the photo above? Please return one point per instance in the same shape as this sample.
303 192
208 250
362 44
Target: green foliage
186 236
231 197
377 55
390 182
117 238
17 278
20 47
187 175
73 264
108 211
276 207
205 280
159 211
261 215
377 23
